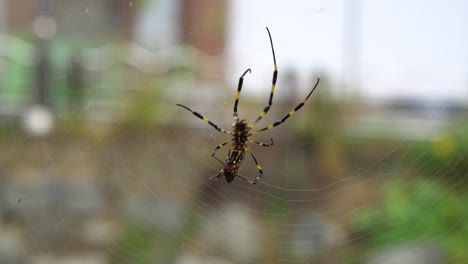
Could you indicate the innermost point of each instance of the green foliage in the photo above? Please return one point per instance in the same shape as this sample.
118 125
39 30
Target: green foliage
135 245
446 155
142 111
140 245
320 114
143 244
420 210
8 131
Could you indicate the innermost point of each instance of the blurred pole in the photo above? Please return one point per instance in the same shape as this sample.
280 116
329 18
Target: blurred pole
44 28
38 120
41 70
3 29
3 16
75 84
352 45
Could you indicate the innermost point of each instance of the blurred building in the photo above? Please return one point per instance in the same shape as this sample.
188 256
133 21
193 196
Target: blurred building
105 17
118 46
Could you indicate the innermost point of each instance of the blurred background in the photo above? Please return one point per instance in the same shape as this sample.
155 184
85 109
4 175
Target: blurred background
99 166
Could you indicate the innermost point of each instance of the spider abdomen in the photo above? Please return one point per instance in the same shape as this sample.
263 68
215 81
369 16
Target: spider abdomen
234 163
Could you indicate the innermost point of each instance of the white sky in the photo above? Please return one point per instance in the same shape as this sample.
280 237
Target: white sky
407 48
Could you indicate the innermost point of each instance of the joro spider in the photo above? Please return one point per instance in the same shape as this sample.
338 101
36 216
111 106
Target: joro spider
241 130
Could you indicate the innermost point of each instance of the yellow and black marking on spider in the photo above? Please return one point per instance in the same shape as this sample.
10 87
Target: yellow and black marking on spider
241 130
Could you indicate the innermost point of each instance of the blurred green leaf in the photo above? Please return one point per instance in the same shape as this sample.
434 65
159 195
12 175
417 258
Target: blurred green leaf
421 209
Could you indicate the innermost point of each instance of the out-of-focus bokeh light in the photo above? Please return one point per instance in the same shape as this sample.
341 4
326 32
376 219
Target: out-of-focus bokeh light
38 121
45 27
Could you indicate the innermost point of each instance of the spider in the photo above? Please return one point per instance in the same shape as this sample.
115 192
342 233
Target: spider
242 131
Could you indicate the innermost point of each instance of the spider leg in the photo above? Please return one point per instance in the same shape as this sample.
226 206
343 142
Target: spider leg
261 143
249 180
206 120
217 148
221 172
239 88
259 168
273 84
277 123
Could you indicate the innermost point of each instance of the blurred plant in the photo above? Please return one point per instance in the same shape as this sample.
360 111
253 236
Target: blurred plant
8 131
445 156
137 246
419 210
73 126
142 109
141 244
322 129
322 113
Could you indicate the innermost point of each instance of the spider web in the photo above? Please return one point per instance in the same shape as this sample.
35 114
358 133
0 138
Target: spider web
119 174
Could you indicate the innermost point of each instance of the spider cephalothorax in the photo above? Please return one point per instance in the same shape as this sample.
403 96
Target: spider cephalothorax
241 130
241 126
